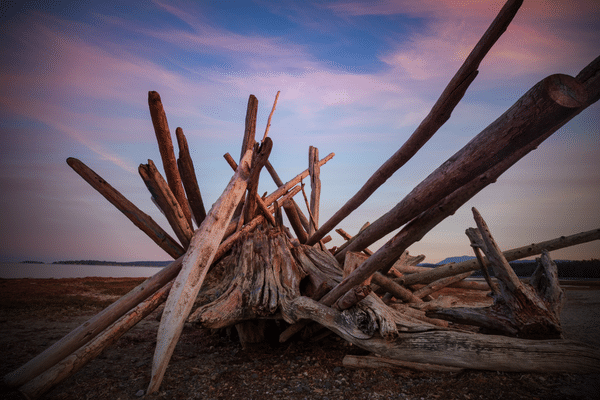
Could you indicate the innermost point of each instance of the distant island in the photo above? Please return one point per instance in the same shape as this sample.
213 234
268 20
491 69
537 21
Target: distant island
116 263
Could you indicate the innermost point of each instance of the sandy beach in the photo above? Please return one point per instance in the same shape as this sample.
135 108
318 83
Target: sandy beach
34 313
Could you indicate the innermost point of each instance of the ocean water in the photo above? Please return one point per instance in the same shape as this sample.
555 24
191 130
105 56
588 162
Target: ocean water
44 271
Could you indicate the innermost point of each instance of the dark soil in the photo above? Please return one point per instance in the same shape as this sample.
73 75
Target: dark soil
34 313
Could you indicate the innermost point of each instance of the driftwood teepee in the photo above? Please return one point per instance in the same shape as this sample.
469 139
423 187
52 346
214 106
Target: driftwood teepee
239 266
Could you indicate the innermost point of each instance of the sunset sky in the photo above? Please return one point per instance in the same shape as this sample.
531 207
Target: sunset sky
356 78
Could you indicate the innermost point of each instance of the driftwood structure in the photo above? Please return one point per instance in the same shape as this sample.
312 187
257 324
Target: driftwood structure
238 265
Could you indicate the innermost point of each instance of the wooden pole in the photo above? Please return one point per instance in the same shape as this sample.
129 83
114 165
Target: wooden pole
271 116
188 177
546 107
167 153
438 115
140 219
167 202
315 187
67 367
250 130
196 263
92 327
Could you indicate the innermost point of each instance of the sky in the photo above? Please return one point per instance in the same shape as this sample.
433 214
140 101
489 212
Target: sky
356 78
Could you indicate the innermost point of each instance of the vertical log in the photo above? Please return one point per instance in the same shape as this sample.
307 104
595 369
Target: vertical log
167 152
438 115
188 177
250 130
135 215
196 262
315 187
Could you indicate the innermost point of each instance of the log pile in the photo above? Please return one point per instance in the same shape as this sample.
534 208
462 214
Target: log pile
238 265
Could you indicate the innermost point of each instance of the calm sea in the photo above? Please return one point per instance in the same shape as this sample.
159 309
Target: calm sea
26 270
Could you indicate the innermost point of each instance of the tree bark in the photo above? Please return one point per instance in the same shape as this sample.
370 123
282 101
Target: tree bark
67 367
140 219
536 115
196 262
438 115
188 177
167 202
167 152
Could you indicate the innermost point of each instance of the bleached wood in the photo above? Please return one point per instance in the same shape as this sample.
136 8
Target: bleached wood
167 152
250 126
439 114
196 262
67 367
140 219
271 116
92 327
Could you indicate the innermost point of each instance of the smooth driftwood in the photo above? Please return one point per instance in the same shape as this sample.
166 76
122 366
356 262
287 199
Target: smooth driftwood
538 113
92 327
510 255
67 367
519 309
439 114
315 188
188 177
167 202
349 237
440 284
351 361
457 349
196 262
140 219
167 152
250 127
590 78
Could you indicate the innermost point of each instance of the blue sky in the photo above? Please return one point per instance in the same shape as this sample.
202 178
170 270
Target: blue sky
356 78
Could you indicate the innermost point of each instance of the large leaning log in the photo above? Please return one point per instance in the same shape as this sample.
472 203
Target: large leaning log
197 260
439 114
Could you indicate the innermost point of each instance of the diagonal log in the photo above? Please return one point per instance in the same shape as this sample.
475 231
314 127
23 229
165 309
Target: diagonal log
167 202
438 115
196 263
511 255
167 152
303 225
188 177
536 115
92 327
67 367
135 215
